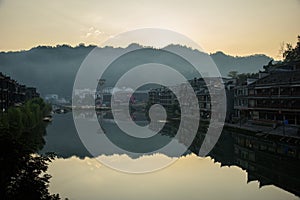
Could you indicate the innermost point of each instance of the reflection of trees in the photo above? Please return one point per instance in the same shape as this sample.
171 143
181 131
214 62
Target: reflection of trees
21 135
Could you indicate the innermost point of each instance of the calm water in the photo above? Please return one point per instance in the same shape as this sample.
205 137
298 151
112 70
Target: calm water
240 166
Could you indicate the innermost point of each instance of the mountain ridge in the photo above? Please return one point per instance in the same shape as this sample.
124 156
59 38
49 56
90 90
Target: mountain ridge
53 69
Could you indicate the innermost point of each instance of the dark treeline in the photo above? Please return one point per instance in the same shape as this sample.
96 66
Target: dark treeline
53 69
290 55
22 171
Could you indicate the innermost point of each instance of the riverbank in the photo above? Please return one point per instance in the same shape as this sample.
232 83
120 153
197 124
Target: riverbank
23 171
287 131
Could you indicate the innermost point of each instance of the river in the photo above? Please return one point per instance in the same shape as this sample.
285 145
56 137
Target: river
240 166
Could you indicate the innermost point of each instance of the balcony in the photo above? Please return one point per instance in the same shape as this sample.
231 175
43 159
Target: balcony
278 107
277 92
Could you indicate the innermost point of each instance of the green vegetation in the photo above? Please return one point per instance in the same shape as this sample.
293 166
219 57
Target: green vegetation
291 54
232 74
22 171
241 78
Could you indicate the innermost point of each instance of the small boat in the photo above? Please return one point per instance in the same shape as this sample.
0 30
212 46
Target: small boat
47 119
60 111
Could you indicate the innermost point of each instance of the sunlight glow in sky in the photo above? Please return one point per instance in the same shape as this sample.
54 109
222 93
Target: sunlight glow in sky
237 27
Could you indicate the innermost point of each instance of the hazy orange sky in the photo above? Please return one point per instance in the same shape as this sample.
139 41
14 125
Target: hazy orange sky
236 27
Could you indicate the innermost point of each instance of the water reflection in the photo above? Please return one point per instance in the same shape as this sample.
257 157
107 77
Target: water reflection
270 160
191 177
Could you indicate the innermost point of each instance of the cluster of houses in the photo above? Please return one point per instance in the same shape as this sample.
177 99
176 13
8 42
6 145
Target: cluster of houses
103 97
271 99
13 94
54 99
203 88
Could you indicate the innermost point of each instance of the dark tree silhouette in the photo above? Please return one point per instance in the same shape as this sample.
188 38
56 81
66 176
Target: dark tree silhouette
241 78
292 54
22 171
233 74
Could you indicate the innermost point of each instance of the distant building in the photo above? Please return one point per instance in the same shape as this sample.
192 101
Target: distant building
154 96
30 93
83 93
241 101
105 96
12 93
141 96
203 89
51 97
55 99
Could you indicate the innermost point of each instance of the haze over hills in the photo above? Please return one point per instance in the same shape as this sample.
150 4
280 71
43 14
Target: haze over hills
53 69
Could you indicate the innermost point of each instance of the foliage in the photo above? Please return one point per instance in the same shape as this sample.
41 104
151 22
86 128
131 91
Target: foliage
241 78
244 76
292 54
233 74
23 173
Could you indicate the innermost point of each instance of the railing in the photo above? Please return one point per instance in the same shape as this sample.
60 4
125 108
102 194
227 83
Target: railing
276 106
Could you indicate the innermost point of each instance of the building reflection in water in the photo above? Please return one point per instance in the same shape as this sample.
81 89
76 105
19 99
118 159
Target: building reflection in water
269 159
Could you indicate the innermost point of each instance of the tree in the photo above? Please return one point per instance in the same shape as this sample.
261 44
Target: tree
22 171
29 183
244 76
268 66
292 54
233 74
241 78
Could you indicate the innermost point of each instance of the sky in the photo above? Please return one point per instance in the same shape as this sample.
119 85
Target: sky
236 27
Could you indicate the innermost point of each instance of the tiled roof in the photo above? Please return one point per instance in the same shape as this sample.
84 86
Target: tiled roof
282 77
